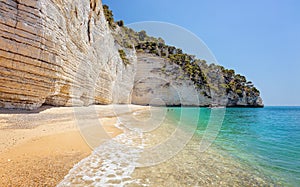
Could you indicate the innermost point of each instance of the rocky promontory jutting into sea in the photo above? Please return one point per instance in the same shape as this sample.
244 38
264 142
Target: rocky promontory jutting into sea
73 53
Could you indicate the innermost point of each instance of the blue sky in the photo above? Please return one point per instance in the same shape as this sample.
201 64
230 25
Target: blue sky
259 39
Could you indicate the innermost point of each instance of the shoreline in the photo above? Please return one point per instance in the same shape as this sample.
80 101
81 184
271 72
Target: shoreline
38 148
187 167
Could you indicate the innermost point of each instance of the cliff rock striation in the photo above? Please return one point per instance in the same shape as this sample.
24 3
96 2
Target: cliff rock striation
60 53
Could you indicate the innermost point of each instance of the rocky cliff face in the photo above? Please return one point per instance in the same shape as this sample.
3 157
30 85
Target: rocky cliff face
60 53
73 53
159 82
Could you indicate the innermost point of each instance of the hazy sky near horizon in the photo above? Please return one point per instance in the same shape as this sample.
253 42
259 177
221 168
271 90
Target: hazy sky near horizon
259 39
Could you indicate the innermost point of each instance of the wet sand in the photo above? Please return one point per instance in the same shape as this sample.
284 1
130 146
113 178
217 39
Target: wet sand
38 148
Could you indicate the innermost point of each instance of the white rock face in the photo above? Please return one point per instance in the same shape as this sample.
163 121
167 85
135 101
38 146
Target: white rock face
125 79
60 53
157 82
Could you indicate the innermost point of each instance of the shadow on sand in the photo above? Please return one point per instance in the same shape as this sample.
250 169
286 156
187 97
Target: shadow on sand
24 111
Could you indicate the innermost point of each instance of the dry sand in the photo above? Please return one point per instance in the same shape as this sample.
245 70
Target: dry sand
38 148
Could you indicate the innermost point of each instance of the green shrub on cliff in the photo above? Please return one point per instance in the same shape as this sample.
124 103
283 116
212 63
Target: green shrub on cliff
142 35
120 23
192 69
237 84
239 92
240 78
255 90
138 38
124 57
109 16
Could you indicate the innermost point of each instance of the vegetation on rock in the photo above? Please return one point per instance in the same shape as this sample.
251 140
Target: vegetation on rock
123 57
110 18
213 76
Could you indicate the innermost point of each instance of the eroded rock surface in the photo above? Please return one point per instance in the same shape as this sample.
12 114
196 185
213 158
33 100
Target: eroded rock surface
159 82
59 53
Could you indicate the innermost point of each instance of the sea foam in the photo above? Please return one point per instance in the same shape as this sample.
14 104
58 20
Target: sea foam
111 164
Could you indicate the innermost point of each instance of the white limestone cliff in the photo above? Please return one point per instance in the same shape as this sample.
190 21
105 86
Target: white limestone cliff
60 53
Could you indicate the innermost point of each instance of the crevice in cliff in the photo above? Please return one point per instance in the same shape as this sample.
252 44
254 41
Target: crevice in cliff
89 29
17 15
93 4
76 12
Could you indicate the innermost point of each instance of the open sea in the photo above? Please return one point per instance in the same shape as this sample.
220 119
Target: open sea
197 147
267 139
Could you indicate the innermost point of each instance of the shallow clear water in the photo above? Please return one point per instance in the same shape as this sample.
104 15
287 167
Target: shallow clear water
198 147
268 139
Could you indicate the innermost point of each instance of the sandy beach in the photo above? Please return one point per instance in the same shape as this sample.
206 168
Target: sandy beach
38 148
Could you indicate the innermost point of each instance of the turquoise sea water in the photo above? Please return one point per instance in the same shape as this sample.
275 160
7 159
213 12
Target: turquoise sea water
224 147
267 139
